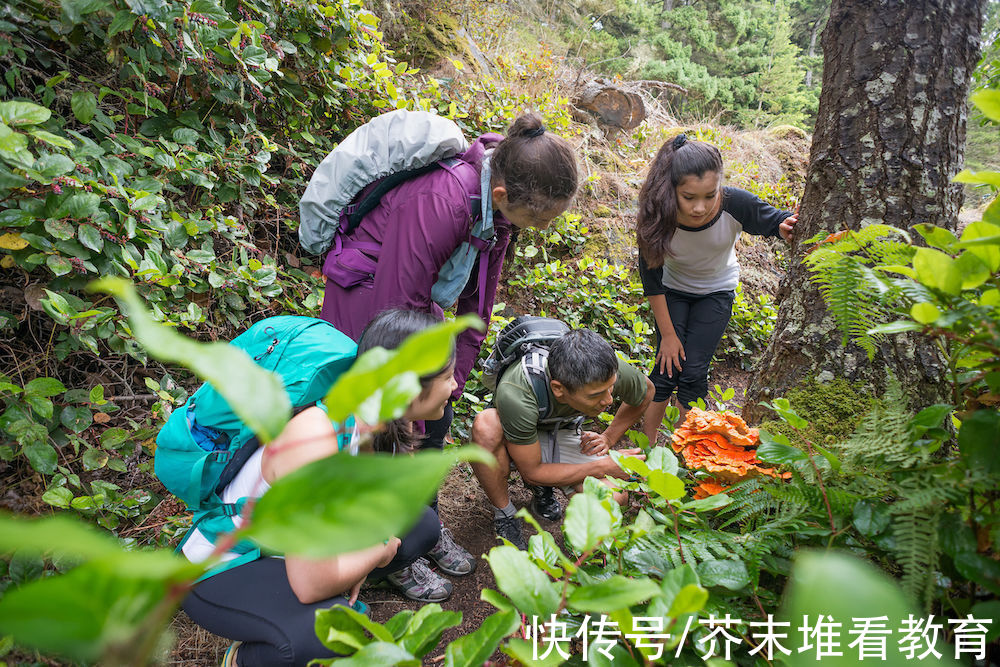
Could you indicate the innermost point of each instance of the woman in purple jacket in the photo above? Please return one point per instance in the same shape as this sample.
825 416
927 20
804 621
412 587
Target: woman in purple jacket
528 179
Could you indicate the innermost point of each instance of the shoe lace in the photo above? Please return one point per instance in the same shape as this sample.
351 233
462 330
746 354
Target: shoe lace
421 573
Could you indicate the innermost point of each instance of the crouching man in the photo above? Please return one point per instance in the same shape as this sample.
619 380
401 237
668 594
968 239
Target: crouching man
582 377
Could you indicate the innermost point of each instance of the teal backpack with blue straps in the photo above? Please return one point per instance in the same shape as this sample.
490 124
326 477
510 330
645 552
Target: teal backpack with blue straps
204 444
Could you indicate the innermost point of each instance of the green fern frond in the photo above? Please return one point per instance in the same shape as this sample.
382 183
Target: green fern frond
917 549
882 438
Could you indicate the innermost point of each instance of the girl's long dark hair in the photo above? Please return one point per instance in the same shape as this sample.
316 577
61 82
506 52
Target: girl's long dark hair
657 218
537 168
388 330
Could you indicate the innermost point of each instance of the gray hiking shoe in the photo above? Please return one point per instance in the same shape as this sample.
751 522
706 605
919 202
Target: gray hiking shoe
418 582
451 558
509 528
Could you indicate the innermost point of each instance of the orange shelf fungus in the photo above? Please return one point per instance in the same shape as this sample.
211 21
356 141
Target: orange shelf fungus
722 444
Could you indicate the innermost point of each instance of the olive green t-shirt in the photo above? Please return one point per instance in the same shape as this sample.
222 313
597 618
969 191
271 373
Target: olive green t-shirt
517 408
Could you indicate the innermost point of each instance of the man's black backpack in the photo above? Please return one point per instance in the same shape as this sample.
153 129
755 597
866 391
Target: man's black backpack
525 339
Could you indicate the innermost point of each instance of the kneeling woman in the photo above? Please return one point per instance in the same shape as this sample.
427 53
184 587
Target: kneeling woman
269 604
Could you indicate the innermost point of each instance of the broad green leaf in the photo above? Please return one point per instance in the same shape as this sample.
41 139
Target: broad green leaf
79 205
90 237
712 502
973 270
661 458
92 606
381 383
18 114
41 456
95 459
936 237
977 441
531 652
775 449
84 106
123 20
931 416
55 164
425 628
616 592
44 387
666 485
632 464
58 496
344 503
76 418
587 522
689 600
925 313
530 589
255 395
376 654
731 574
937 270
988 102
52 139
475 649
871 518
40 406
978 177
145 203
58 536
601 654
983 239
344 630
60 229
843 587
185 135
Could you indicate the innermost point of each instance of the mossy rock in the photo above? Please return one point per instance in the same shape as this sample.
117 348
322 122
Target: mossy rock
833 409
788 132
602 211
434 37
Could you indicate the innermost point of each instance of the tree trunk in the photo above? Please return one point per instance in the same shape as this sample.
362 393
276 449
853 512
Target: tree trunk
889 138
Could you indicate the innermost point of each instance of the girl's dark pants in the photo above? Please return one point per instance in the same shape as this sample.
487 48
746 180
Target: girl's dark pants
699 321
254 603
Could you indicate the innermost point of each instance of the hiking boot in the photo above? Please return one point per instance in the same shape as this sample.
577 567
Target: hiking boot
420 583
509 528
451 558
544 503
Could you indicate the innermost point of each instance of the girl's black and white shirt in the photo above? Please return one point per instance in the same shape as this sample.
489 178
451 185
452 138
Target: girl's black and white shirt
703 259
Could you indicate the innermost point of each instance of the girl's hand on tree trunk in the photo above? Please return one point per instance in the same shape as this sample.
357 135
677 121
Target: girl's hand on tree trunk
670 354
786 228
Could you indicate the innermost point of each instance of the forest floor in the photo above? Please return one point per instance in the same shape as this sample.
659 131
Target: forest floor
464 508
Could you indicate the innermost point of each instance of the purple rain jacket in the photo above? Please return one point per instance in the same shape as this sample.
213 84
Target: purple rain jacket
418 225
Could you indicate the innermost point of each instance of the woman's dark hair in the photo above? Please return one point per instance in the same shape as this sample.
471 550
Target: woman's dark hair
388 330
657 218
537 168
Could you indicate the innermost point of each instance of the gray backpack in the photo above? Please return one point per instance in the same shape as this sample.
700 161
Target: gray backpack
393 147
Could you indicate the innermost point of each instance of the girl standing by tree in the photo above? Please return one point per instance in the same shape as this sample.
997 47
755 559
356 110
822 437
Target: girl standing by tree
526 179
688 224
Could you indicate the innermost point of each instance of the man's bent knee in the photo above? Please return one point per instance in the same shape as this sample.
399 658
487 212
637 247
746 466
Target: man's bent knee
487 432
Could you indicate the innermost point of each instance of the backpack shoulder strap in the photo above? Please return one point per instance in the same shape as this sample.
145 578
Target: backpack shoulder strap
534 364
468 177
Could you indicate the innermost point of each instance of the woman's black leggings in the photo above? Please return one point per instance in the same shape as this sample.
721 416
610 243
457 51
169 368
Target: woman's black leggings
254 603
699 321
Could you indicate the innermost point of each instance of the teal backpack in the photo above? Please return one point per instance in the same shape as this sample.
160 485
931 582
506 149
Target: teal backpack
203 445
